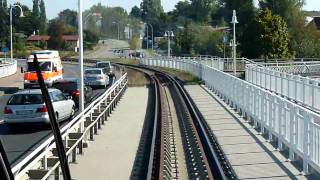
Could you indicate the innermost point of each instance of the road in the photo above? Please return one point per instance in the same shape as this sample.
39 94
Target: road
20 143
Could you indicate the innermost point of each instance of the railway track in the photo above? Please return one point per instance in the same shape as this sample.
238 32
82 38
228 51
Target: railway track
178 144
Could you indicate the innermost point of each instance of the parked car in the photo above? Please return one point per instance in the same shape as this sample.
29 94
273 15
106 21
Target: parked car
71 87
28 106
96 77
106 65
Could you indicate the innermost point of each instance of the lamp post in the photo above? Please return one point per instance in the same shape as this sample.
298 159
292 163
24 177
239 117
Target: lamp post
234 42
151 34
169 35
80 32
114 22
21 15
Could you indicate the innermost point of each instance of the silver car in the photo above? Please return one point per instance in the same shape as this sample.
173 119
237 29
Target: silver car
28 106
96 77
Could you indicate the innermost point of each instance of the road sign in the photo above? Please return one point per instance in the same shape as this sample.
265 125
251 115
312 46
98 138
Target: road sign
4 49
225 39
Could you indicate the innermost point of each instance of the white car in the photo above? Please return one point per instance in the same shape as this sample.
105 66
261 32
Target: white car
96 77
28 106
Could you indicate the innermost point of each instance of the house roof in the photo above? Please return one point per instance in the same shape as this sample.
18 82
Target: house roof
38 38
46 38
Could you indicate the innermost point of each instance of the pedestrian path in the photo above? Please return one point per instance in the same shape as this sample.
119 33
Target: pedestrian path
250 155
112 154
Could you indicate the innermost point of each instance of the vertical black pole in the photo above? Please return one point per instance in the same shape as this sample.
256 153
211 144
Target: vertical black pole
54 123
5 169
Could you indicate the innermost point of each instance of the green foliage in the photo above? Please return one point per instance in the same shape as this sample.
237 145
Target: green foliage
36 15
272 36
4 27
55 31
68 17
69 30
135 12
195 40
134 43
91 37
42 18
202 9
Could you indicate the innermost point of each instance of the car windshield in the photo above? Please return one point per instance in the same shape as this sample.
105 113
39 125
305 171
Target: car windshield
92 71
45 66
103 65
24 99
66 86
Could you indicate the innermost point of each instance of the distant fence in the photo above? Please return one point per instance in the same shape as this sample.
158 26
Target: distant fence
7 68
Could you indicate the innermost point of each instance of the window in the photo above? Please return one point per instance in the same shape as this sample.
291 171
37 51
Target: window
44 66
58 96
92 71
24 99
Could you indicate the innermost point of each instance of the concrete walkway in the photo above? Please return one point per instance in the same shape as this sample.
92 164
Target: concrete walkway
248 152
112 154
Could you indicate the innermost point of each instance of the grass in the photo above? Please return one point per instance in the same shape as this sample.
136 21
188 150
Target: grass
186 77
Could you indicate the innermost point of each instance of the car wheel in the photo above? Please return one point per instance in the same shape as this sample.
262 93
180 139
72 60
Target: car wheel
73 111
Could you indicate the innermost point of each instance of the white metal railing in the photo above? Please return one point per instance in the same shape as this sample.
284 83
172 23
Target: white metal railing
294 126
108 100
7 68
303 90
295 67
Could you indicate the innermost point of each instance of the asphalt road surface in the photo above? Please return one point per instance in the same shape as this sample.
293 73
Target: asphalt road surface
25 139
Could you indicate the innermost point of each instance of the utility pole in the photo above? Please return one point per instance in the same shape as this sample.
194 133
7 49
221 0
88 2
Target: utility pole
80 28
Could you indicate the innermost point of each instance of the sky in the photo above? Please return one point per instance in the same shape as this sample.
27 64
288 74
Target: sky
53 7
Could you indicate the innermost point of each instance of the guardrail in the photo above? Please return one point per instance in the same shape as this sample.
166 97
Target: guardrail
295 67
74 134
7 68
295 127
303 90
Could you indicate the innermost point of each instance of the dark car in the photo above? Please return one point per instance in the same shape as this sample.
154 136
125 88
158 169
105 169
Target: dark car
71 87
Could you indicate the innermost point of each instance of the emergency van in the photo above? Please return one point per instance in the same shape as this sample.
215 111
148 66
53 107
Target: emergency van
51 68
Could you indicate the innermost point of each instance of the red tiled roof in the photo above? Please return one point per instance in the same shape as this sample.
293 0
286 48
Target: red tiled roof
46 38
38 38
70 37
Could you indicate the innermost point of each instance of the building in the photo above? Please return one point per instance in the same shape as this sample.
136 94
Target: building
71 40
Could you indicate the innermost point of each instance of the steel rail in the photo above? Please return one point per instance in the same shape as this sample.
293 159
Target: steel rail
214 161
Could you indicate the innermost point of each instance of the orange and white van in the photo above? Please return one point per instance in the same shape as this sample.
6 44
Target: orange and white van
51 68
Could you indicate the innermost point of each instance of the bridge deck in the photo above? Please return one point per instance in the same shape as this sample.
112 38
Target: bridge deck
112 154
249 153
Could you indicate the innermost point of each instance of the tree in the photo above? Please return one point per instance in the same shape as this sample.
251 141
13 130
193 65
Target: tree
3 4
42 17
35 15
151 9
272 37
68 17
134 43
55 31
4 23
202 9
135 12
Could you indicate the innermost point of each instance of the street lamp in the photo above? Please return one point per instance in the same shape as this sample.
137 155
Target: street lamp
21 15
169 35
114 22
148 34
234 42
